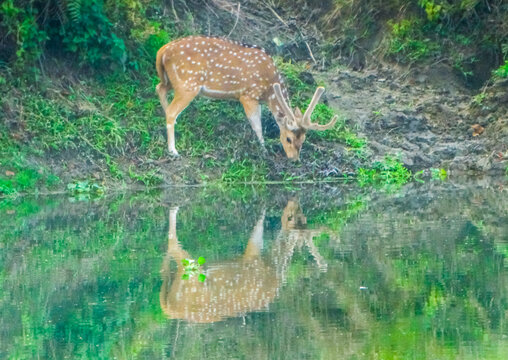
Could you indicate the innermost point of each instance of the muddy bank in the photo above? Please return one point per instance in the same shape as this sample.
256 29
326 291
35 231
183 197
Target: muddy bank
427 117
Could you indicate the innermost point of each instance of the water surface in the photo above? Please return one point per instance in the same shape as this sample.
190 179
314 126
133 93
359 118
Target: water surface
309 273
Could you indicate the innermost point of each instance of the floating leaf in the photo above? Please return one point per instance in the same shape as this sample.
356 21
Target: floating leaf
185 262
201 260
202 277
185 277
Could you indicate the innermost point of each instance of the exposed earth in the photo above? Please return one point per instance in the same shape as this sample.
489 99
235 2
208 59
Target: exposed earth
427 117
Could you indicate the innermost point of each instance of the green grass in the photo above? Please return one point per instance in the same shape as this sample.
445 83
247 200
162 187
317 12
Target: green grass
388 172
340 132
113 125
246 171
17 173
408 42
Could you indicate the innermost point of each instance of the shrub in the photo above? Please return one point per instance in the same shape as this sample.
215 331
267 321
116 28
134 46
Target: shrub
89 34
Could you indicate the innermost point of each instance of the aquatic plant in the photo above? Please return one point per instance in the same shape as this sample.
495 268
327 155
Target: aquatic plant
191 268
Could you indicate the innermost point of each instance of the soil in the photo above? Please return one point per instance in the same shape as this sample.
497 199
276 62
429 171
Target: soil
426 116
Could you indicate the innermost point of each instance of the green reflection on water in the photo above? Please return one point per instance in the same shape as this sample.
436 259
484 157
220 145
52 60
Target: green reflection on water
311 274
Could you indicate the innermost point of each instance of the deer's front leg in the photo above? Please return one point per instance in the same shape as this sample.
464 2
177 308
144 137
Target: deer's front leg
181 100
253 112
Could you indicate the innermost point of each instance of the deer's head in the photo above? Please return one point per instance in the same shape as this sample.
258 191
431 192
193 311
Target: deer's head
294 125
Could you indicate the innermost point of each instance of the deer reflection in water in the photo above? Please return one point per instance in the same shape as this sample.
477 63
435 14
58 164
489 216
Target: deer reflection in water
235 287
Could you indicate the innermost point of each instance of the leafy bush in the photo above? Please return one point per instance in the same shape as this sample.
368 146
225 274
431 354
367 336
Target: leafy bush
89 34
20 26
502 71
408 42
390 171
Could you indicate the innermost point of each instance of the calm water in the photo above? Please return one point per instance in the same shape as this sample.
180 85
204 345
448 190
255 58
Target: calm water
309 273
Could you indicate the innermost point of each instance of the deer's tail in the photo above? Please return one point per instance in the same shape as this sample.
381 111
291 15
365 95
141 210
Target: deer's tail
159 64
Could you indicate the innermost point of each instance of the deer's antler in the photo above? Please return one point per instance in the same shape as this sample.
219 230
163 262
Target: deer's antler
306 123
290 117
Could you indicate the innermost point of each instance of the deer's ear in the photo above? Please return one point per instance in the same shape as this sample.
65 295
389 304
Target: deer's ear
298 112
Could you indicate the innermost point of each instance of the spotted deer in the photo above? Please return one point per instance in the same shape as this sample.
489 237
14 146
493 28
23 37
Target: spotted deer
223 69
234 287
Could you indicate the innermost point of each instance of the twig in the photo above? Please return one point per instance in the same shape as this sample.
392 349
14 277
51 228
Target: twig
174 11
236 21
310 52
277 15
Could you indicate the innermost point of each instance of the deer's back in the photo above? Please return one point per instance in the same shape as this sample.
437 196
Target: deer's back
218 67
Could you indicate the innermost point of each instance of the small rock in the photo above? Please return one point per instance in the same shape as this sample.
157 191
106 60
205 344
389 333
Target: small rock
477 129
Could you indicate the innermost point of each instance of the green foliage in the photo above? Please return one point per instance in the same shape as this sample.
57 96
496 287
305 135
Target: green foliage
502 71
245 171
19 181
432 10
479 98
292 73
322 114
407 41
191 268
18 174
20 25
85 187
438 174
390 171
153 40
149 178
89 34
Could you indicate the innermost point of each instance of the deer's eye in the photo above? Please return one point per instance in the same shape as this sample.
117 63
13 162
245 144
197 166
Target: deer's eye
288 140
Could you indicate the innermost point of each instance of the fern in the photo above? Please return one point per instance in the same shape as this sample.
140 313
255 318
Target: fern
74 9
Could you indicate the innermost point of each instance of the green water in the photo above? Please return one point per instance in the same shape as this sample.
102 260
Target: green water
309 273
